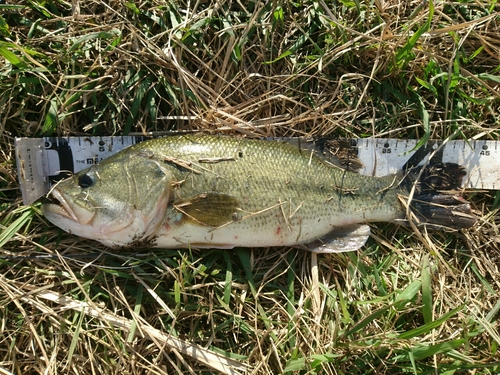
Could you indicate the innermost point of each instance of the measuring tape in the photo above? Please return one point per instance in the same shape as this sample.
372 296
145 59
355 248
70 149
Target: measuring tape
43 161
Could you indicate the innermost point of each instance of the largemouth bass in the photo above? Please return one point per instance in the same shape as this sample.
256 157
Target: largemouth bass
206 191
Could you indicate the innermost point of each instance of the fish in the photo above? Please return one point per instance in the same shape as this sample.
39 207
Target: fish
213 191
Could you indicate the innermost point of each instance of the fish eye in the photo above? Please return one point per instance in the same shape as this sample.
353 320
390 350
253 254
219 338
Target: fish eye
85 180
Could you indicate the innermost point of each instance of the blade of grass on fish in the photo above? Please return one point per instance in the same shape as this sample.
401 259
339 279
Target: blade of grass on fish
426 328
426 290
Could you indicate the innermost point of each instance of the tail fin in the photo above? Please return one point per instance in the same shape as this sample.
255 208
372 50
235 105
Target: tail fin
436 200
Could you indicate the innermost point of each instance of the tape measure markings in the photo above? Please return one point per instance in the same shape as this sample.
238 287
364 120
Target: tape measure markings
42 161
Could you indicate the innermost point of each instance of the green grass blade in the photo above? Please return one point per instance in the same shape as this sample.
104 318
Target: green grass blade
76 336
228 279
137 311
424 351
370 318
245 261
425 122
426 328
290 294
295 365
15 227
490 77
9 55
407 294
405 54
426 290
134 115
51 118
113 33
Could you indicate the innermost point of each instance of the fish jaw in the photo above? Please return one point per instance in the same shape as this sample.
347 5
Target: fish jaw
129 228
79 220
65 211
119 233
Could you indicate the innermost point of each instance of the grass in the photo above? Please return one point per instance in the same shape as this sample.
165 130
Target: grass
408 302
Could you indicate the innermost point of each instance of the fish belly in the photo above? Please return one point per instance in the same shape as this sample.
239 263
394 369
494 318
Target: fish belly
261 230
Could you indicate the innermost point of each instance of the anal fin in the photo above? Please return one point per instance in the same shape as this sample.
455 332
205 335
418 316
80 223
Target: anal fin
348 238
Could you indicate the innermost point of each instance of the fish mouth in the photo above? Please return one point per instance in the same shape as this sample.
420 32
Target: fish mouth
63 209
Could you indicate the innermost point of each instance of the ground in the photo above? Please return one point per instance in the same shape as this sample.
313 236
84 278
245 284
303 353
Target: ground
411 301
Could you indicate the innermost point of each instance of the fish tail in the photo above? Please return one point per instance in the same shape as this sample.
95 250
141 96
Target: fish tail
436 199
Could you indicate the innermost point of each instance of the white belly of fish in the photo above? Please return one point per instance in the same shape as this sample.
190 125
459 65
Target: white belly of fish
319 235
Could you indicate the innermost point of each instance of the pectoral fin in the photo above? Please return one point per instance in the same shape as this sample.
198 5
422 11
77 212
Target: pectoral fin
210 209
348 238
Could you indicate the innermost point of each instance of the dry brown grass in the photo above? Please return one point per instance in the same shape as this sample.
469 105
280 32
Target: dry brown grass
68 306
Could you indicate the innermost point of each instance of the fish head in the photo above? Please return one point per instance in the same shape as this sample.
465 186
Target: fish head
120 201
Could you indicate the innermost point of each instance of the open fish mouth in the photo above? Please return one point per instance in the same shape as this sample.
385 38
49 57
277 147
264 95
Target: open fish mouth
60 206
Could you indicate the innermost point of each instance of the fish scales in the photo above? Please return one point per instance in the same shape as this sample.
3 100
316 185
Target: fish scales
217 191
284 194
